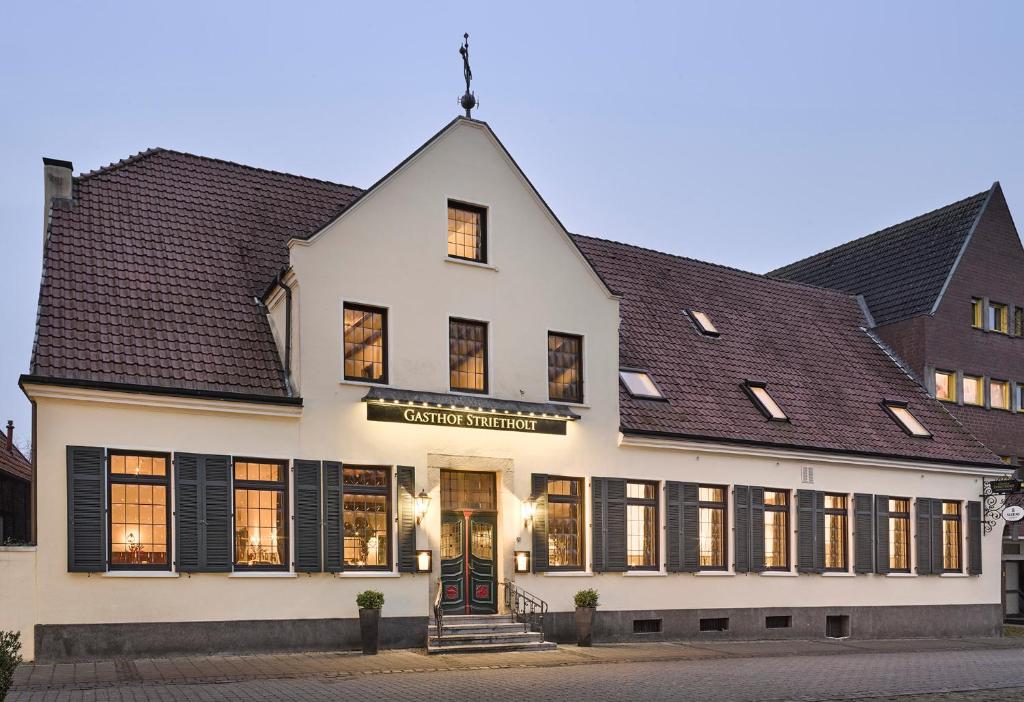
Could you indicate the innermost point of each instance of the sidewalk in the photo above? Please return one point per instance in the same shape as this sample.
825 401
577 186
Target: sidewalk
224 668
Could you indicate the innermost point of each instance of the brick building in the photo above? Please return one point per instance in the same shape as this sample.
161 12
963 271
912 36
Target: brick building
15 491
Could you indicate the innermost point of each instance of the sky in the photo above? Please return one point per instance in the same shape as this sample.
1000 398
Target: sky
748 134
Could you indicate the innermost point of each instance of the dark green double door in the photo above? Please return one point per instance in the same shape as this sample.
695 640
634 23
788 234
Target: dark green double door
469 564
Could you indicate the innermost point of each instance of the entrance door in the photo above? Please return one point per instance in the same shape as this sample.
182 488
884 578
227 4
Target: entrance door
1013 587
469 530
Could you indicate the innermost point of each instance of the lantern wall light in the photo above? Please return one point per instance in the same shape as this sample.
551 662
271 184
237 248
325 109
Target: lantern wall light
522 562
424 561
528 510
422 505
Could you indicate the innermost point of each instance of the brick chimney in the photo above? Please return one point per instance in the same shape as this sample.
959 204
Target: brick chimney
10 435
56 186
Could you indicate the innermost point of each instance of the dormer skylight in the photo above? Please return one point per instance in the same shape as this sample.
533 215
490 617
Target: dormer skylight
905 418
764 401
640 384
703 322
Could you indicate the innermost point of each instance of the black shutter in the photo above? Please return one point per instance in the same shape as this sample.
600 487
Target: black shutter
673 526
741 525
599 524
690 523
923 523
938 566
757 530
333 528
87 515
406 519
881 522
819 532
608 498
308 510
863 534
806 531
974 537
202 510
539 495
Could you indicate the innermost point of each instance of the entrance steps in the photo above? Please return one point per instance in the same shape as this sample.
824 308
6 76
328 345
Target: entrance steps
483 633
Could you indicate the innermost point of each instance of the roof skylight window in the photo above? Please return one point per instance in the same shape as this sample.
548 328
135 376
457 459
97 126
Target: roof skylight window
639 384
703 322
765 402
907 421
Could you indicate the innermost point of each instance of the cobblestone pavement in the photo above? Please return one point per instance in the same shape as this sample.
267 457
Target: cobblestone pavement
918 671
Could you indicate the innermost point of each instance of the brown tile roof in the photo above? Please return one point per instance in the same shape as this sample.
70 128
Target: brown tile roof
12 460
901 270
828 374
150 276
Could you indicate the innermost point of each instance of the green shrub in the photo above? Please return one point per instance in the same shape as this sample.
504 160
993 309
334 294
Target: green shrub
370 599
10 657
586 598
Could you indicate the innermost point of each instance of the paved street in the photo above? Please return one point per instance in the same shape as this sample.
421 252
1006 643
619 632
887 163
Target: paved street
908 671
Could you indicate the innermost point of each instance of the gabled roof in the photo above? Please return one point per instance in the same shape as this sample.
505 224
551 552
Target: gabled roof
12 460
151 273
807 344
901 271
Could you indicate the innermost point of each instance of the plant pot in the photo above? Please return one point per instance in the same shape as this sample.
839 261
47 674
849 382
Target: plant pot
584 626
369 630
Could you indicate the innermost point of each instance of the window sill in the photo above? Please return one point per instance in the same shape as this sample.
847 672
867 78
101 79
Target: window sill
140 574
363 383
567 574
714 574
901 575
779 574
471 264
839 575
368 574
645 574
260 574
954 575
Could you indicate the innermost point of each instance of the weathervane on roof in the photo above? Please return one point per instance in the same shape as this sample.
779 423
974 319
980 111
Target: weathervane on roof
468 100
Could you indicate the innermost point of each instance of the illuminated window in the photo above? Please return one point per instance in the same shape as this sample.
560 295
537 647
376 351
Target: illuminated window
642 525
999 317
899 534
139 519
907 421
565 523
776 530
712 527
365 343
999 394
765 402
703 322
977 313
945 385
640 384
467 232
261 507
467 355
835 532
974 390
366 516
1008 460
565 367
468 490
951 536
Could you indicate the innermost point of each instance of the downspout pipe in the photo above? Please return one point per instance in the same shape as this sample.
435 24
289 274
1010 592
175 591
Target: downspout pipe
279 282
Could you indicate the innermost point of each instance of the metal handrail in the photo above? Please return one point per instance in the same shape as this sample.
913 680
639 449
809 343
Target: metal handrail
438 610
525 607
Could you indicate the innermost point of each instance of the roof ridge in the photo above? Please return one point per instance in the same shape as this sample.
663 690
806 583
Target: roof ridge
850 244
721 266
159 149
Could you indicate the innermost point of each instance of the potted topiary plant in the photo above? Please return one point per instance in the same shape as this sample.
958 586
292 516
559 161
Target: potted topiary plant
586 603
10 657
369 603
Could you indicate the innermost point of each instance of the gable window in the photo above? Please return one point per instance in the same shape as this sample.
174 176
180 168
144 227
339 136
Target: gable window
758 392
467 232
951 537
836 519
140 522
776 530
261 514
977 313
899 535
565 367
702 321
565 523
999 394
711 532
999 317
945 385
366 514
640 384
642 525
905 418
974 391
365 343
467 355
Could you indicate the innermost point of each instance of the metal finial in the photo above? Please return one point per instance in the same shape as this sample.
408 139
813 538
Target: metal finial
468 100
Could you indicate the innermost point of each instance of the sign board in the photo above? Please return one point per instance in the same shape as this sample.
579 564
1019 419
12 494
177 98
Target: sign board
466 419
1006 486
1013 513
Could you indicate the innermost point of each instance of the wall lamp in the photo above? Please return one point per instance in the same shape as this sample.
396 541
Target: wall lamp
422 505
522 562
424 561
529 508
